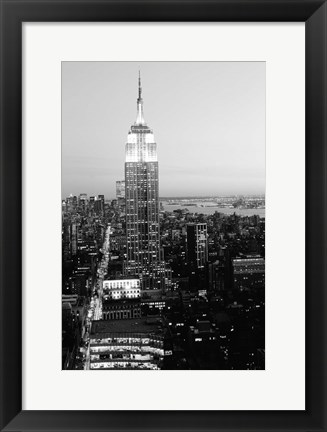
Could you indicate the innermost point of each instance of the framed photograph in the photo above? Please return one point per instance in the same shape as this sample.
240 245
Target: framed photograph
163 215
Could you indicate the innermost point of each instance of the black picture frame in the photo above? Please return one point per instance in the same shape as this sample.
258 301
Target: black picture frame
13 14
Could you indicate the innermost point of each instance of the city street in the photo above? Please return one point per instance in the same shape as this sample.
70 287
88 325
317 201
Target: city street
102 270
95 309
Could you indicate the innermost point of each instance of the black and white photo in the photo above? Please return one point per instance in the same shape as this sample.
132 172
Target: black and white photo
163 215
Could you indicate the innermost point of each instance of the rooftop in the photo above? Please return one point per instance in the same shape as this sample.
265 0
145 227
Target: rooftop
137 325
107 301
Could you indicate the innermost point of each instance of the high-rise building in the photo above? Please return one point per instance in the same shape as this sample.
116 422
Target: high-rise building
197 244
216 276
82 197
142 204
92 203
82 201
101 202
71 203
249 272
74 239
120 189
98 204
120 194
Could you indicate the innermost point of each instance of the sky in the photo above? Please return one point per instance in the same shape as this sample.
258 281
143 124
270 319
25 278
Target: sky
208 120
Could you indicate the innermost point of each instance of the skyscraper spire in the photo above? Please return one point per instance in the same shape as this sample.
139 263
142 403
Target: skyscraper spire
140 88
140 118
143 253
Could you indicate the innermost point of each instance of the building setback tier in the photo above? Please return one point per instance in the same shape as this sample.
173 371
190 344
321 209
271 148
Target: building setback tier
144 257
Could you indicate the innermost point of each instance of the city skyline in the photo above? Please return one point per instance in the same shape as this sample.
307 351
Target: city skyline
97 104
150 285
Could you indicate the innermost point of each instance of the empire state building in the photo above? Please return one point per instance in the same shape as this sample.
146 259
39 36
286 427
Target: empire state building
144 258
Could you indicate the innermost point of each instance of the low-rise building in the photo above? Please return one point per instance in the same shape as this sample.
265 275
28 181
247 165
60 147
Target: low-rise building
122 309
121 289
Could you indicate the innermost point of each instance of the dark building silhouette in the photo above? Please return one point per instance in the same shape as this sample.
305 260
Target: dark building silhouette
197 245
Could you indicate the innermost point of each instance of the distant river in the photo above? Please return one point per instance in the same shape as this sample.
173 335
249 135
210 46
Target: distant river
212 209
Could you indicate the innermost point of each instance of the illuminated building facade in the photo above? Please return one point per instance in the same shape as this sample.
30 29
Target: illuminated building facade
126 344
121 289
248 272
144 258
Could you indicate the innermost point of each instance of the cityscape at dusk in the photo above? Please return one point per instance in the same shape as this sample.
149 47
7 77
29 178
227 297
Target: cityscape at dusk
208 119
165 277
